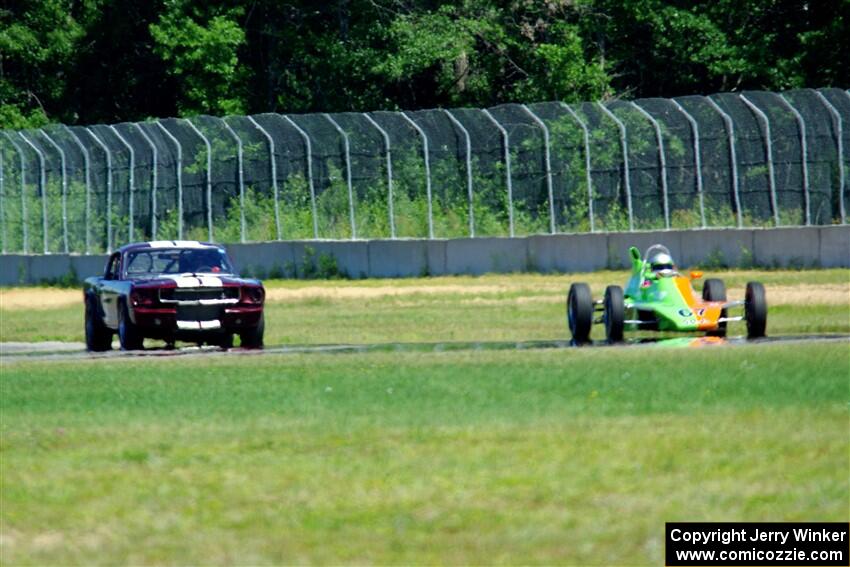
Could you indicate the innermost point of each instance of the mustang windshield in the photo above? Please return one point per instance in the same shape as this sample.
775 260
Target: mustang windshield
151 262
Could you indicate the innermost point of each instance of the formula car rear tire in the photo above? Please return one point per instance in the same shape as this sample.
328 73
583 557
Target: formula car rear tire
98 337
128 333
253 338
614 314
755 310
715 290
580 312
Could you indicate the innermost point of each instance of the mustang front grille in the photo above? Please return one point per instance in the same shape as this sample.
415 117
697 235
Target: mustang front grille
204 295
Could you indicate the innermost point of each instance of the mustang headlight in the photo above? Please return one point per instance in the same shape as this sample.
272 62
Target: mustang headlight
253 295
144 297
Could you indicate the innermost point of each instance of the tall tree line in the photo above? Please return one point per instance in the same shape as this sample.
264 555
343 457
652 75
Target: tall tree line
87 61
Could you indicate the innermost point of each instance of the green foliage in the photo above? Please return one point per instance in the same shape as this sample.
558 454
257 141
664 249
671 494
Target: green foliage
562 72
203 58
34 47
746 261
715 260
116 60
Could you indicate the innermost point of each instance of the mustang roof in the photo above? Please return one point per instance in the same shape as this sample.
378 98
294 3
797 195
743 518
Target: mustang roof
168 244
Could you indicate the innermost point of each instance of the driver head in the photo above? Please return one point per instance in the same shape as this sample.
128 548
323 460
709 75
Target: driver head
661 263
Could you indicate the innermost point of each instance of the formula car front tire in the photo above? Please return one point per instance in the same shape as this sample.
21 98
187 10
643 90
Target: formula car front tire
580 312
614 315
755 310
98 337
715 290
128 333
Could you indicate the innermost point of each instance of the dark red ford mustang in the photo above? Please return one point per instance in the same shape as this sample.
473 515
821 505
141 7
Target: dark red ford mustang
172 290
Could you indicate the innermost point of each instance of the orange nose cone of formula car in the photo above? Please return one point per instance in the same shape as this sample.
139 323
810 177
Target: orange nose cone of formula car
706 312
686 291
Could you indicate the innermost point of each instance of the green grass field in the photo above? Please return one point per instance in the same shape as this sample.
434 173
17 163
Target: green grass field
564 456
573 456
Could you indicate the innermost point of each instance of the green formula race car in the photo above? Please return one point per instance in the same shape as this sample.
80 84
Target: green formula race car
658 298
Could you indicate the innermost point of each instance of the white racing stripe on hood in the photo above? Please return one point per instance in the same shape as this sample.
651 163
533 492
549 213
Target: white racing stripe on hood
183 280
179 244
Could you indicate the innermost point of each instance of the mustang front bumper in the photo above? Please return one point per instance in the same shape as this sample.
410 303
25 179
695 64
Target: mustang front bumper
164 321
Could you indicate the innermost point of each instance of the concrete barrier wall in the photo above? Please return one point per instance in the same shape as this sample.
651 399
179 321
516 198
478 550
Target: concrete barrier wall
795 247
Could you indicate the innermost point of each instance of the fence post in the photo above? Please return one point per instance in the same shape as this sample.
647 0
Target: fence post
470 196
624 144
2 207
25 229
588 179
108 189
309 149
769 149
132 182
507 158
730 131
273 166
179 167
547 160
87 174
387 152
839 131
61 152
42 185
209 177
801 127
427 157
697 158
663 158
846 92
347 173
153 177
241 173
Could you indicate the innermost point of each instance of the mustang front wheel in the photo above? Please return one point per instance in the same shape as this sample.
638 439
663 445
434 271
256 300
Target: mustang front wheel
225 341
614 315
755 310
128 333
580 312
98 337
253 338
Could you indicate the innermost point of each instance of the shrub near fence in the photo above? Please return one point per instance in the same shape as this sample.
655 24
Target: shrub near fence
750 159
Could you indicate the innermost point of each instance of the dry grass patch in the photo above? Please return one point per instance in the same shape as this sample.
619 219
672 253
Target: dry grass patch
355 291
38 298
823 294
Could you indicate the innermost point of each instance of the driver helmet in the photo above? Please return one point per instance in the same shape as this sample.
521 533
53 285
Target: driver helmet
661 263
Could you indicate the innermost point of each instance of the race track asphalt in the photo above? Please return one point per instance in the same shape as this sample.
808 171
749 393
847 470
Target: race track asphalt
11 352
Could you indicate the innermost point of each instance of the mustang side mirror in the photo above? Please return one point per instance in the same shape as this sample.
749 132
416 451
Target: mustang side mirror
695 275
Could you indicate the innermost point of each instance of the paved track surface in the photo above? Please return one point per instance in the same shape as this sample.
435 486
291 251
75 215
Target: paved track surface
15 352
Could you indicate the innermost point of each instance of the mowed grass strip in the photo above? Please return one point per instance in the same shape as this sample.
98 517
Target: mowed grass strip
489 308
574 456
